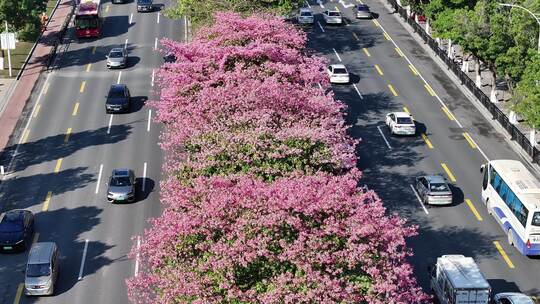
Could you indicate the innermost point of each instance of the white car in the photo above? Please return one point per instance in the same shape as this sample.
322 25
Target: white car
512 298
338 73
400 123
332 17
305 16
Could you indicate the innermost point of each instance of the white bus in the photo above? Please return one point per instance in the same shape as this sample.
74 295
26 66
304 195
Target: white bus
512 195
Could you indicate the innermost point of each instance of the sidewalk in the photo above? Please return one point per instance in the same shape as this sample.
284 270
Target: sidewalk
23 87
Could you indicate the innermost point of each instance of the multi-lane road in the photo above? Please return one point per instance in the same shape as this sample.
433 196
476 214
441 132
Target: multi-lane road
392 72
67 149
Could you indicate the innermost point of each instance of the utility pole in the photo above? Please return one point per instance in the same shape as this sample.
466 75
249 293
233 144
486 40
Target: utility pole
9 54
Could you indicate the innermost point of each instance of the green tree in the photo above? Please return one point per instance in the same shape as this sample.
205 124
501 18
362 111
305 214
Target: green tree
526 97
201 12
22 16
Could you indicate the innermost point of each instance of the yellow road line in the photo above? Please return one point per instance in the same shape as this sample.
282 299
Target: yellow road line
503 254
46 88
106 8
75 109
392 89
429 89
68 132
83 84
88 67
400 53
94 50
58 164
337 8
448 172
36 238
413 70
379 70
355 36
376 22
25 136
473 209
36 111
428 142
386 36
367 52
18 293
406 110
469 140
47 201
448 113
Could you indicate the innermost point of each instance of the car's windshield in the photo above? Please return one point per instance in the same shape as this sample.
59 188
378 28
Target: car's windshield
438 187
144 1
37 270
333 14
116 55
120 181
340 71
536 219
116 93
305 14
363 8
404 120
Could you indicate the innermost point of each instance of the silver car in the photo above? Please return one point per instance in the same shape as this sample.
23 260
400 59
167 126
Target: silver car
121 186
433 190
117 58
305 16
512 298
41 269
363 12
332 17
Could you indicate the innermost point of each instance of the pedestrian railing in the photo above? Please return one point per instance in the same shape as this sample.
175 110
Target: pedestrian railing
496 113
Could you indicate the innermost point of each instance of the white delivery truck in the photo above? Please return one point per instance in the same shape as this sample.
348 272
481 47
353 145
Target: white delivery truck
456 279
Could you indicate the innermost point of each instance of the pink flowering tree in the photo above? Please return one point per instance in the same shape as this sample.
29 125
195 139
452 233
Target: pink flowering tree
261 198
305 239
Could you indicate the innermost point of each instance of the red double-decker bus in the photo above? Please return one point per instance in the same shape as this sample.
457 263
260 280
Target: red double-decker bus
88 19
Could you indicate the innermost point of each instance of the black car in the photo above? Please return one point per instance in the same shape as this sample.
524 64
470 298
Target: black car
16 230
169 58
118 99
145 6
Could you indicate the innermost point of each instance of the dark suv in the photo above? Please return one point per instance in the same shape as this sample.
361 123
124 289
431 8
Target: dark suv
118 99
145 6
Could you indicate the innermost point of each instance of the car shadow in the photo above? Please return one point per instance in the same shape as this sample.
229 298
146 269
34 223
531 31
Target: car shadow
457 195
148 184
354 78
132 61
137 103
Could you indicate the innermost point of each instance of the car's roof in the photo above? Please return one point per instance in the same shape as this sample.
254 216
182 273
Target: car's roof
117 86
401 114
117 50
338 66
362 6
121 172
41 252
516 297
333 11
305 9
435 179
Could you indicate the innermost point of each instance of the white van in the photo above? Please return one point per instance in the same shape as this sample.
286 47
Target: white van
42 269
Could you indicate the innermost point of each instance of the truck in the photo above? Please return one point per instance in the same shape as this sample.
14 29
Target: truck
456 279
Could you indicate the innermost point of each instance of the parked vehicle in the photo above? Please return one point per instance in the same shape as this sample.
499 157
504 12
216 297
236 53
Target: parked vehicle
332 17
456 279
338 73
512 298
433 190
305 16
400 123
362 11
16 230
117 58
118 99
41 269
121 186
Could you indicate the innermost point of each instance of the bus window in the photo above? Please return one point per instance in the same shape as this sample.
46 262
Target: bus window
536 219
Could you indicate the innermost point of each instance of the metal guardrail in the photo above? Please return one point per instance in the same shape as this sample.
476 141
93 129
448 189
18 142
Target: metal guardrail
496 113
58 38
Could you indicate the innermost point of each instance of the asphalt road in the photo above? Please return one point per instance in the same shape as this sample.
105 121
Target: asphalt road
68 148
456 141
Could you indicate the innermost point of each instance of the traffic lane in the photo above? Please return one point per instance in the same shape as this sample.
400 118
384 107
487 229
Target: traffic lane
472 120
461 210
